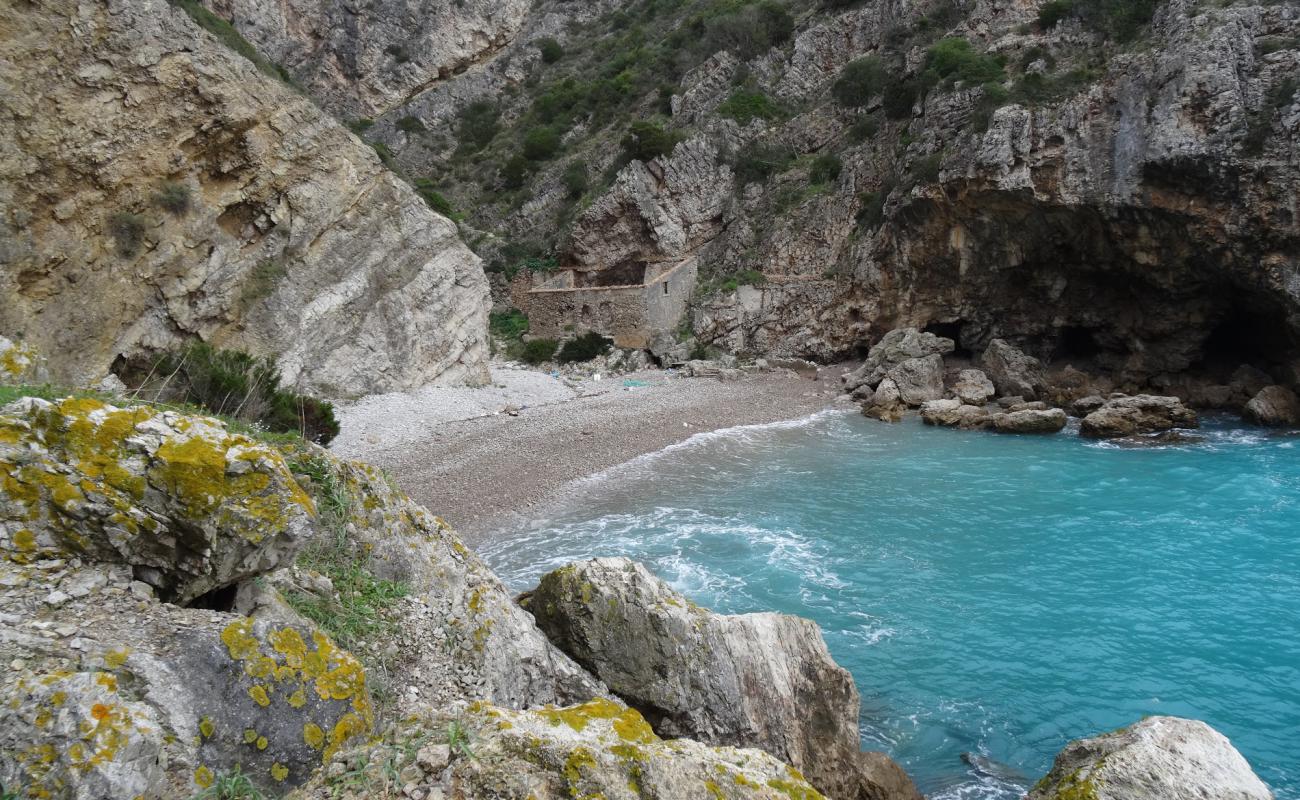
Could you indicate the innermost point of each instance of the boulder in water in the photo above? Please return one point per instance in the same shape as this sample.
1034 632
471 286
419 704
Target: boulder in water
1275 406
885 403
1159 758
753 680
952 413
1030 420
1143 413
1012 371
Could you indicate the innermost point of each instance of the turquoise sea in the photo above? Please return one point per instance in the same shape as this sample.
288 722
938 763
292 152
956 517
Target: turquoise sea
995 595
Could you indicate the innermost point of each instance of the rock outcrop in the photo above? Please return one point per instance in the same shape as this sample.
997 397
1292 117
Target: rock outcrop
1159 758
1276 406
597 749
753 680
1144 413
893 349
158 188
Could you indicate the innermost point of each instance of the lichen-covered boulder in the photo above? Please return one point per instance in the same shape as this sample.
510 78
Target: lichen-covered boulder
188 504
597 749
111 693
19 362
1143 413
1159 758
1014 373
973 387
751 680
462 636
1030 420
895 347
1275 406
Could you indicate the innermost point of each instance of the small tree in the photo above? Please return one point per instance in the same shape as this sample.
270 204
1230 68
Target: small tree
550 49
646 141
541 143
859 81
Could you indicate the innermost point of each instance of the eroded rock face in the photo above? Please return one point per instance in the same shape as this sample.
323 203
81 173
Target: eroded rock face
1159 758
1276 406
597 749
187 504
754 680
1144 413
1012 372
359 61
224 206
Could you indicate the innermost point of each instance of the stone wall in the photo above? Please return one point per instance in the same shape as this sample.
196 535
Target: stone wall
631 315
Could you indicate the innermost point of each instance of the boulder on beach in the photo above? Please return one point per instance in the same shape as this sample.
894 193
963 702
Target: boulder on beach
885 403
918 379
952 413
1159 758
1012 372
1143 413
1275 406
751 680
895 347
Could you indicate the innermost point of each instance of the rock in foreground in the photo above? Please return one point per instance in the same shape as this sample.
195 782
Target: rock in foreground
755 680
1275 406
1159 758
1143 413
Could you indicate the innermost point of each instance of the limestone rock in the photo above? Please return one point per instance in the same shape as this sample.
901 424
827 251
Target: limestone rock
1030 420
1144 413
918 379
1159 758
973 387
225 206
189 505
895 347
1276 406
885 403
1012 372
597 749
123 696
1086 405
756 680
19 363
952 413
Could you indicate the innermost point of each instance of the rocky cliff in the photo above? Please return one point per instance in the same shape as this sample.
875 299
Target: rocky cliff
157 187
1113 187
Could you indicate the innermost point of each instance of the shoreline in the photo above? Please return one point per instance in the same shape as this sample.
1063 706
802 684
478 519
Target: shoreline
492 459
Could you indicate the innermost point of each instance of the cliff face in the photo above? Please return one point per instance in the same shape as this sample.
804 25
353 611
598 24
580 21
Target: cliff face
1117 192
157 187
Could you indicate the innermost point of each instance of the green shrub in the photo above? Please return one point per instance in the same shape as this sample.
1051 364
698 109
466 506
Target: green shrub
424 188
1053 11
900 97
747 31
238 385
859 81
646 140
127 230
575 179
825 168
411 125
510 325
232 785
872 212
954 59
926 170
478 125
514 173
991 99
538 351
261 281
227 35
174 198
360 126
863 129
1121 20
541 144
756 162
744 106
584 348
550 49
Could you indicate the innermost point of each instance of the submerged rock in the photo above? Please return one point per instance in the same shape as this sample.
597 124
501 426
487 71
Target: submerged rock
755 680
189 505
1143 413
1030 420
597 749
1159 758
895 347
1013 372
1275 406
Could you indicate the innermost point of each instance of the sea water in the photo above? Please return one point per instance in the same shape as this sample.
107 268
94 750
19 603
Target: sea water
992 595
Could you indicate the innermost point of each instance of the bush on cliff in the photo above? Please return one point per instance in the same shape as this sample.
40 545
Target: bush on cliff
583 348
859 81
234 384
538 351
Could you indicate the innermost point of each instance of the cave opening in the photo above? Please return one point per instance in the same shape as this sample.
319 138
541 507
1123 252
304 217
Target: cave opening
221 598
950 330
1248 334
1076 342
